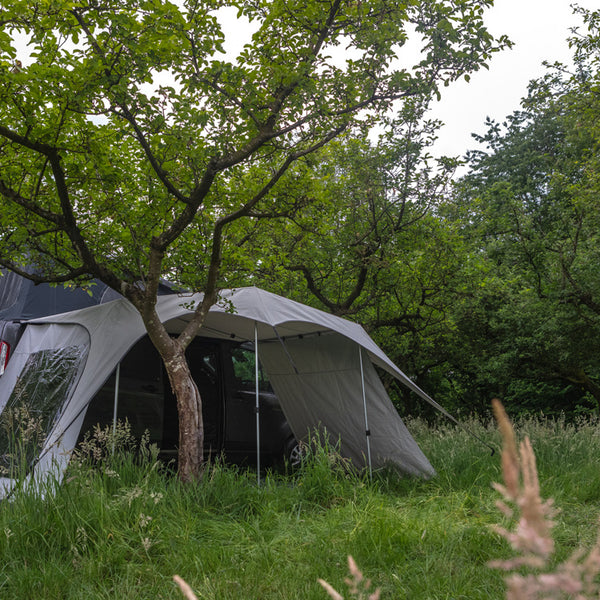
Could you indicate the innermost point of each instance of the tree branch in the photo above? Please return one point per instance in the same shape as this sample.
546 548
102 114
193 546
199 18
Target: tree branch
71 275
129 117
14 196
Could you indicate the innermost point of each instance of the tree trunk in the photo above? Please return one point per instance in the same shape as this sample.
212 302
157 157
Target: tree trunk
189 403
593 388
581 378
189 409
172 352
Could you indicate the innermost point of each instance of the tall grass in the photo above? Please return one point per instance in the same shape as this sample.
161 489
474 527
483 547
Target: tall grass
531 572
123 528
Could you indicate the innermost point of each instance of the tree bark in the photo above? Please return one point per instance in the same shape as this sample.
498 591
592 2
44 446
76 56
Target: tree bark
189 409
189 402
593 388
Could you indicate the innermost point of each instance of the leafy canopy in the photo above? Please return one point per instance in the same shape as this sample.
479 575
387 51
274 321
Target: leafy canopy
125 129
530 210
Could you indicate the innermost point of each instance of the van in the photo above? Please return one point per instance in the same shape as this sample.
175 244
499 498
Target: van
224 372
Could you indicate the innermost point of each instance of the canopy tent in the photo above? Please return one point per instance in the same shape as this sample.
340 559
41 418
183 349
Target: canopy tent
321 368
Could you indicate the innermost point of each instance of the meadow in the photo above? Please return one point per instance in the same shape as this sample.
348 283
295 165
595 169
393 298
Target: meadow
123 528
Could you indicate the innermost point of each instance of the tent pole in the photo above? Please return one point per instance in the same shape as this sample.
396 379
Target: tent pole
257 406
367 431
116 406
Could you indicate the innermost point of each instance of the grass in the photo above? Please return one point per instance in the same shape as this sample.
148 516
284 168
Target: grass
123 531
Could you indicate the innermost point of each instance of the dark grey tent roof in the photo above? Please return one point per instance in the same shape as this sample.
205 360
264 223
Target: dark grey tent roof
21 299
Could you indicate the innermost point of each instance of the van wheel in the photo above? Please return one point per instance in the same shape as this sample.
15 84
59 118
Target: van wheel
294 454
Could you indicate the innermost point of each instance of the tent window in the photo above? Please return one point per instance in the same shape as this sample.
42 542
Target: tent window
44 385
10 286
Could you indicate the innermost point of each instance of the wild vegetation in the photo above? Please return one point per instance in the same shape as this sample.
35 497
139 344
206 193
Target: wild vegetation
486 286
125 527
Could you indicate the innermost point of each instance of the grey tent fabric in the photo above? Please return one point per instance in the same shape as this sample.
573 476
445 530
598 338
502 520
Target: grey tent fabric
293 318
322 388
42 376
311 358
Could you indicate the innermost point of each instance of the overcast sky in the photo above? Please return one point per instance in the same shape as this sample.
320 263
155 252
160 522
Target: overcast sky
539 29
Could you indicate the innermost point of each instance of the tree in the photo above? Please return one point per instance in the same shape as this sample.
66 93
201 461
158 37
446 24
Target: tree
531 211
128 145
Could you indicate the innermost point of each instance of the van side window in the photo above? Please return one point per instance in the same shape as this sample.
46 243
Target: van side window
243 369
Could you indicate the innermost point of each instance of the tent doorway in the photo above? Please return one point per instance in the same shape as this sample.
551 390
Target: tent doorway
224 373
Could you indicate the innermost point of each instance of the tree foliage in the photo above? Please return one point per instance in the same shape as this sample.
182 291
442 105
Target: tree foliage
371 244
529 207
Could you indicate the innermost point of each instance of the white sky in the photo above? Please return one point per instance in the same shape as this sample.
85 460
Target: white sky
539 29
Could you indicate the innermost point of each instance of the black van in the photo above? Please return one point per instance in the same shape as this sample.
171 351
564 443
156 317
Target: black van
225 375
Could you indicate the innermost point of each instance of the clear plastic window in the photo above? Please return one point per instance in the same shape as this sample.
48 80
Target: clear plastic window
45 383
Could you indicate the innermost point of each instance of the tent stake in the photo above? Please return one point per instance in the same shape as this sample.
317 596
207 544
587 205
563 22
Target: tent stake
115 407
367 431
257 407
